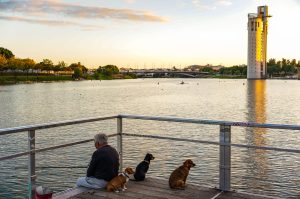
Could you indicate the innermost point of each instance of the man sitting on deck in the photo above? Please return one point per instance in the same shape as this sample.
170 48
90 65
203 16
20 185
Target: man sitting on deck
103 167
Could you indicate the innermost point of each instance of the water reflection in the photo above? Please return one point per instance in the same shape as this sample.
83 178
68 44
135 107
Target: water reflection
257 159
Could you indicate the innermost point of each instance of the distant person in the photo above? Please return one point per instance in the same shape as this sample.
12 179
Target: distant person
103 167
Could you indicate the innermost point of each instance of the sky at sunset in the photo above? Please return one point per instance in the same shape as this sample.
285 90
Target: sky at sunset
144 33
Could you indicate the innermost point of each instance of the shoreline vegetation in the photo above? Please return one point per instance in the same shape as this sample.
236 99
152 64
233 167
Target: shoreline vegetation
16 70
8 79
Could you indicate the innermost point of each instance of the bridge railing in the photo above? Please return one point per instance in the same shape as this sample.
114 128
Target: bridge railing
224 141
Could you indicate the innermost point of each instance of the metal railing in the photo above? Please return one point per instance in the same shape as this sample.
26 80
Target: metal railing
224 141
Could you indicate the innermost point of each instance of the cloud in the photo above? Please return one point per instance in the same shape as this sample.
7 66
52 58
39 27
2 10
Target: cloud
224 2
211 5
129 1
35 7
49 22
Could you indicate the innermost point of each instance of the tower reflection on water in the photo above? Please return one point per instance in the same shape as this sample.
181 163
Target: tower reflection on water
257 160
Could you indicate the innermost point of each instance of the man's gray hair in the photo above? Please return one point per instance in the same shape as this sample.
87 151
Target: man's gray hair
101 138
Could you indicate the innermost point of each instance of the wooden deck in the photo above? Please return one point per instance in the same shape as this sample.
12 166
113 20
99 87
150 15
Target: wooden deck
154 188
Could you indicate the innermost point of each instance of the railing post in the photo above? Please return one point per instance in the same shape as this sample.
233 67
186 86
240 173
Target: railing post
120 142
31 165
225 158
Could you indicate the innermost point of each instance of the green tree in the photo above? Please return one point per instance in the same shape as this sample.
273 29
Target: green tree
96 75
288 69
28 64
271 62
279 63
244 70
3 62
15 64
46 65
108 70
77 73
207 69
78 65
234 70
60 66
79 69
284 62
6 53
293 62
273 70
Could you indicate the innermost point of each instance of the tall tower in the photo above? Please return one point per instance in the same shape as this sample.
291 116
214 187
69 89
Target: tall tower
257 43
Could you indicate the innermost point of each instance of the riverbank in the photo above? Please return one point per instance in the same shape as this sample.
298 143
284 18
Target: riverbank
4 80
23 79
8 80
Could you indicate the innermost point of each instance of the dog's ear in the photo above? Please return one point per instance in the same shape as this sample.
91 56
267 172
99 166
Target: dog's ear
189 163
129 170
185 163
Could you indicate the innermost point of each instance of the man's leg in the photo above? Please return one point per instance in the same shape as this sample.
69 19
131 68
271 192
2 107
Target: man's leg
91 182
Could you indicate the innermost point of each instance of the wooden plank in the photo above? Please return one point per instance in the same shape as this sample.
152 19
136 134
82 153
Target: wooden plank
163 185
167 192
153 188
70 192
237 195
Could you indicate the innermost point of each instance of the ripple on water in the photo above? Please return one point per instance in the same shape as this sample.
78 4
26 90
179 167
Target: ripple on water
255 171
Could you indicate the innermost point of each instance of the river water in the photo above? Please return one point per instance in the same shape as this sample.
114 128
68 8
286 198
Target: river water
256 171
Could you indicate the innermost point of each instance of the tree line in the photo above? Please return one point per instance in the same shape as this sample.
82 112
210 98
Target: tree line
8 62
280 68
283 67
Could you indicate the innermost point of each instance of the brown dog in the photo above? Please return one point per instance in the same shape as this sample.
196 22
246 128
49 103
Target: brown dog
179 175
119 181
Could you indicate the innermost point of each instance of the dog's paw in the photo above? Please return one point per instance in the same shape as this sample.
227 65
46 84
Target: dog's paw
123 189
117 191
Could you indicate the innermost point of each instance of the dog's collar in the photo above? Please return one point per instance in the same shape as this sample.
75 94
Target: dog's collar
147 161
125 174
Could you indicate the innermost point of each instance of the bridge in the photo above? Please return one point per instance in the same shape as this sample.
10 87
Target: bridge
166 73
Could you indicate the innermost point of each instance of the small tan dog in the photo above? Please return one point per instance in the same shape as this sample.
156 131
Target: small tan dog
119 181
179 175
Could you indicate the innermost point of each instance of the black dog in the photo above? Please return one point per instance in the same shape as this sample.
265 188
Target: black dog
142 168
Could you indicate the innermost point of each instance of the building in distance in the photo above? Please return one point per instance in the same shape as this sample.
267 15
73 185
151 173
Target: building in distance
257 43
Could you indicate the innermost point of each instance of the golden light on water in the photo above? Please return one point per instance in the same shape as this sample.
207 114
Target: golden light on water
259 102
256 136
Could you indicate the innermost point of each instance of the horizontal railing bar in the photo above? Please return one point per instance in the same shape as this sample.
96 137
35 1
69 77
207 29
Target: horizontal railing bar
212 122
214 143
171 138
155 118
14 156
266 148
48 148
52 125
54 167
